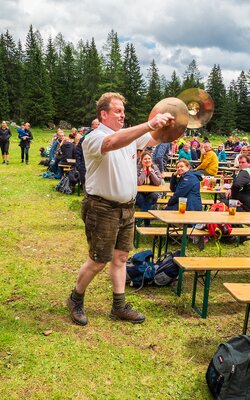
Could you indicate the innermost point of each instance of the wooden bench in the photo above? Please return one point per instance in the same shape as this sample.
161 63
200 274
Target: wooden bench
204 202
241 293
143 215
65 167
139 217
202 267
158 232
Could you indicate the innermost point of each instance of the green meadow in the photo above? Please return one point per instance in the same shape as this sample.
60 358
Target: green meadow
44 356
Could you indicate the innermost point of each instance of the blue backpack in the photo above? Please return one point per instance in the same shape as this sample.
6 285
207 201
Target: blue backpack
141 270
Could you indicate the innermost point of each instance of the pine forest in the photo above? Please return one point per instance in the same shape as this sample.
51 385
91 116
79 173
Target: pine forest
45 83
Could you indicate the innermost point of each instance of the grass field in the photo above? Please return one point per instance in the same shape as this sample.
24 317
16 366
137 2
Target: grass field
42 245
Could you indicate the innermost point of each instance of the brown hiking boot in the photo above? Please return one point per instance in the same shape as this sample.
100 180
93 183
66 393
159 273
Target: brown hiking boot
77 313
127 314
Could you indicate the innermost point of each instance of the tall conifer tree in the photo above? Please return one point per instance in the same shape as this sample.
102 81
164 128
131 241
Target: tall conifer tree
37 100
92 80
173 87
112 61
68 84
4 99
228 112
133 87
192 77
154 86
216 89
13 74
51 61
243 103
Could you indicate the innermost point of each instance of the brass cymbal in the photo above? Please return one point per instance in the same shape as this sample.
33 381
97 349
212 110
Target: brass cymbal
200 106
176 128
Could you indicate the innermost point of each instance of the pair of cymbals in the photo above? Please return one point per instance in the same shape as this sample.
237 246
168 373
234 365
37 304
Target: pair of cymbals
200 106
193 108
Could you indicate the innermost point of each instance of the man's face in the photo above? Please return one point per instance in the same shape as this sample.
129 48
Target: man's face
243 163
95 124
244 150
114 117
60 135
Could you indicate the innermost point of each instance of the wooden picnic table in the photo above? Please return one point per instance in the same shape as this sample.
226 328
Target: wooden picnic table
166 188
153 188
232 170
199 217
168 174
203 267
196 217
241 293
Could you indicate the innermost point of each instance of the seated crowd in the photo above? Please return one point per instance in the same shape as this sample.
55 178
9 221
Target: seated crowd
185 181
63 148
194 160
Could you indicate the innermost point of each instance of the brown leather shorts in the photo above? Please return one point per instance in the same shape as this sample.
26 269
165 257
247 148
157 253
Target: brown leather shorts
108 226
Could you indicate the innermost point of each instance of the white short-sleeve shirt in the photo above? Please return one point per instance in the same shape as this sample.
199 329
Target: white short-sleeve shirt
112 175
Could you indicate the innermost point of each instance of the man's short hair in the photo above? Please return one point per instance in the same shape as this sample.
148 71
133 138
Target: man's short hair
247 157
104 102
184 161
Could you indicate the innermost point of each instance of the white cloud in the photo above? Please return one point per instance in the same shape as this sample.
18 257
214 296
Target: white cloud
173 32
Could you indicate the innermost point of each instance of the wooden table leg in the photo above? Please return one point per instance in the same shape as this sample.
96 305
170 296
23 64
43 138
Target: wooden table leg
246 319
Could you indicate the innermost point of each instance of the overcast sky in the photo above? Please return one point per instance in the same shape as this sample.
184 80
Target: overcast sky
172 32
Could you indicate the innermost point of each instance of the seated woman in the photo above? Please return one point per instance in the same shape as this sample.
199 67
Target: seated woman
240 189
185 152
220 152
147 174
185 183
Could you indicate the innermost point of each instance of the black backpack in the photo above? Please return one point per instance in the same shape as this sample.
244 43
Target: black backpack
228 374
166 269
64 186
73 177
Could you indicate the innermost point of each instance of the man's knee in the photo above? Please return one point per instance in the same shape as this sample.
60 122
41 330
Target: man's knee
123 258
96 266
120 258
